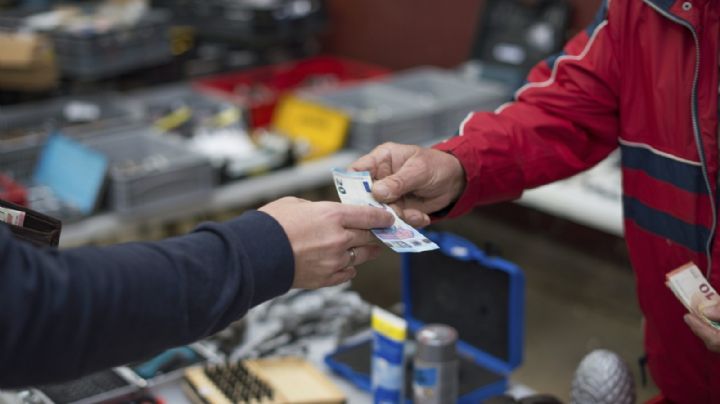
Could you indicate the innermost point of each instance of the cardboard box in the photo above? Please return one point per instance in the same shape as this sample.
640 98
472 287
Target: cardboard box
27 62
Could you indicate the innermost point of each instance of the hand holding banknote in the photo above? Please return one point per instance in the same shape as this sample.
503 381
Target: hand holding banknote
710 335
416 181
354 188
328 239
701 300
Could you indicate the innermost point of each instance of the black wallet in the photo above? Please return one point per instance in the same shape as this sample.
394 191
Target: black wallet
38 229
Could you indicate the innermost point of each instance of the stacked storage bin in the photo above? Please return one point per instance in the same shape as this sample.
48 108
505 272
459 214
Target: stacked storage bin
417 106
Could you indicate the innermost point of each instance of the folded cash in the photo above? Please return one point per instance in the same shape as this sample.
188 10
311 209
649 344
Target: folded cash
354 189
12 216
693 290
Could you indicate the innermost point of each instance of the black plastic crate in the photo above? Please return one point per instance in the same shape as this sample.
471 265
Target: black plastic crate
97 55
249 22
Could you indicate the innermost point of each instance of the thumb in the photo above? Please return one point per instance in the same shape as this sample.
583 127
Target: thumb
711 311
409 178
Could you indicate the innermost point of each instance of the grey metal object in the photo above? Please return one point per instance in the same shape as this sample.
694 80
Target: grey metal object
436 365
602 378
453 96
116 384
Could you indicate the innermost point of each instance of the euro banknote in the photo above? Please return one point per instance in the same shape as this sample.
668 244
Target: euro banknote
353 188
693 290
12 216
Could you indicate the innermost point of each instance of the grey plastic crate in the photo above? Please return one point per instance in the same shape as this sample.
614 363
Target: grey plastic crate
149 169
453 97
159 101
25 128
380 113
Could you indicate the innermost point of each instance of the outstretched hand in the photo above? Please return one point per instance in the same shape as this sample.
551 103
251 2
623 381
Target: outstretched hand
417 181
328 238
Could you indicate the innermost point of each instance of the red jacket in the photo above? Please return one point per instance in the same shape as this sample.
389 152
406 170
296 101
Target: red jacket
643 78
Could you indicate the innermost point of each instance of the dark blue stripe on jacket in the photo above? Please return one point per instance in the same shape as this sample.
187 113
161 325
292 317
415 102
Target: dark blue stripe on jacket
665 225
664 4
682 175
600 16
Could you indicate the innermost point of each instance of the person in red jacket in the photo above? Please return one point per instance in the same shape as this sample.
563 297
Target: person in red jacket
644 78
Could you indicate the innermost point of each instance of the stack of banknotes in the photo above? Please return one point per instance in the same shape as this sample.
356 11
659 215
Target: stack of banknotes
693 290
354 189
12 216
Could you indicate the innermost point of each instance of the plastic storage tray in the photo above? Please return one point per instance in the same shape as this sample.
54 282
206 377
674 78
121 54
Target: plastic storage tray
149 169
24 129
453 97
258 90
380 113
167 100
251 23
96 55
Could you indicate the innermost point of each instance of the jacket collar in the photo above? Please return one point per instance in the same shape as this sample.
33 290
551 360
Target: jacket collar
676 10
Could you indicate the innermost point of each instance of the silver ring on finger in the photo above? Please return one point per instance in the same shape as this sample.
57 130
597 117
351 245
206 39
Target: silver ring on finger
353 257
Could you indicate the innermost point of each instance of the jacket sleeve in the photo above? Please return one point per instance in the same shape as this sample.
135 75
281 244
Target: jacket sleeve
563 121
71 312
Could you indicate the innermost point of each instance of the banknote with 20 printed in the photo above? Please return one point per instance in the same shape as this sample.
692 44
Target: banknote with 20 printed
354 189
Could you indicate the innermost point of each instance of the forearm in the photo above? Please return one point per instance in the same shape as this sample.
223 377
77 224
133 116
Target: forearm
502 155
563 121
69 312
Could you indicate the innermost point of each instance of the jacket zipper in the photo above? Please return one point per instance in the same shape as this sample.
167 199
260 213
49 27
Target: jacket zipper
696 128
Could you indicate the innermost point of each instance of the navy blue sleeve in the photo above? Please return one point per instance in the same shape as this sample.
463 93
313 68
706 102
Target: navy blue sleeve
66 313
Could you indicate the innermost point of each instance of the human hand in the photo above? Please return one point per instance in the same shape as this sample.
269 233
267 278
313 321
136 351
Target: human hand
415 180
328 238
707 333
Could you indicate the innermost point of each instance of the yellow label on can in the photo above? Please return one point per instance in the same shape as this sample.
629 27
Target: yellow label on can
388 324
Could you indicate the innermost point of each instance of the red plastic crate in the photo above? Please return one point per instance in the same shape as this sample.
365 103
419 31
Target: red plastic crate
259 89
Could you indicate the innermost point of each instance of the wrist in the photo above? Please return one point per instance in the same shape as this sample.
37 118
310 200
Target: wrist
456 178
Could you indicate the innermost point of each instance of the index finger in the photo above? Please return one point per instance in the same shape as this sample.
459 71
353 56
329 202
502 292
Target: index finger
375 162
365 217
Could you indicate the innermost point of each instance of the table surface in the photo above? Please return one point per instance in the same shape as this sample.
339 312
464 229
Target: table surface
171 392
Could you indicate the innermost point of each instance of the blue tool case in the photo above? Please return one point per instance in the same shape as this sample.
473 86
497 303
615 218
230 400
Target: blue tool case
481 296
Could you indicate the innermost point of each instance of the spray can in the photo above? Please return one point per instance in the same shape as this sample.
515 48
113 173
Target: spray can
436 365
388 357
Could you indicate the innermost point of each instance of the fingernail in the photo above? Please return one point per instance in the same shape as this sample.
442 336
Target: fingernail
381 190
